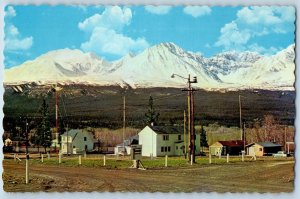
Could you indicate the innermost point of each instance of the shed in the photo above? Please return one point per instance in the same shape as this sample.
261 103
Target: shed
232 147
263 148
125 147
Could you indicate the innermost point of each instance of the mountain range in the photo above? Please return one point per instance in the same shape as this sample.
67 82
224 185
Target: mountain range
154 66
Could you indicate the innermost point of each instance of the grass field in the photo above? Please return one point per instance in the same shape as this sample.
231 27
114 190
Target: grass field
263 175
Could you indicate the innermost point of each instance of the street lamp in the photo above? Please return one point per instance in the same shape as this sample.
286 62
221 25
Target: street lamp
191 113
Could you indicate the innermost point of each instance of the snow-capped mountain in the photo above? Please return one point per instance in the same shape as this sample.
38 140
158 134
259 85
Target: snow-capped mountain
155 65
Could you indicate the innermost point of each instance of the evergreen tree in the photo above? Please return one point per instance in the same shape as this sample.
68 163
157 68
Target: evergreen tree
203 140
44 134
151 115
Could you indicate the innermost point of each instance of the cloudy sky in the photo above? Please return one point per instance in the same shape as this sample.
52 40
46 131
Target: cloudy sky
112 32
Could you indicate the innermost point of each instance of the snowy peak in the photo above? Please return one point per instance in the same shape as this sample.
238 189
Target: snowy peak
154 66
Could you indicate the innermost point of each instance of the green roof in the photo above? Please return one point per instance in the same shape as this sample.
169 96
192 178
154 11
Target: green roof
268 144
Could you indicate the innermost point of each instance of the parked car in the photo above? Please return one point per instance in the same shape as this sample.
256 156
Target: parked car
279 154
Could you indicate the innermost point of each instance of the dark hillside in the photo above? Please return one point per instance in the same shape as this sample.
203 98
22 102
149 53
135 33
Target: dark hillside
83 105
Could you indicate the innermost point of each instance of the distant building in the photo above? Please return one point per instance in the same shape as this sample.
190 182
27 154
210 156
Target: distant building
77 141
8 142
231 147
165 140
125 147
262 148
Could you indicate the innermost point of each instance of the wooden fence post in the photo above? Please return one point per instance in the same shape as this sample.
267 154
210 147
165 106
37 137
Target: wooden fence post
79 159
59 158
166 160
243 154
27 172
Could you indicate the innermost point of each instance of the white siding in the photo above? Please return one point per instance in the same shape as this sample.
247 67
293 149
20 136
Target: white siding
152 142
147 138
79 142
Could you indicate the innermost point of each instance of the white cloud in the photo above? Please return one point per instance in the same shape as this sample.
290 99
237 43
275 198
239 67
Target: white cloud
18 44
159 10
262 50
112 17
197 11
254 22
233 37
13 39
105 33
108 41
10 12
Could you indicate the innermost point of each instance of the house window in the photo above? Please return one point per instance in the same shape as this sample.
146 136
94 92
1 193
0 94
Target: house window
165 137
74 147
162 149
176 147
169 148
179 137
84 139
260 149
166 148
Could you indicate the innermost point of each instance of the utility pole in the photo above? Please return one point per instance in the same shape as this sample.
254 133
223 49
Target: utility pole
27 155
27 141
56 115
184 137
56 89
189 125
244 136
191 118
241 127
285 139
192 125
67 139
124 119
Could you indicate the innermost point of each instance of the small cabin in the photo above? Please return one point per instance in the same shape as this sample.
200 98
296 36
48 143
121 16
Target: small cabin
263 148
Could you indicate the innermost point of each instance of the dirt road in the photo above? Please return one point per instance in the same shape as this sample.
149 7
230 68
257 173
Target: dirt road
237 177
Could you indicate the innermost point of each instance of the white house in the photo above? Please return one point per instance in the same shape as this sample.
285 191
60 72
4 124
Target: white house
165 140
77 141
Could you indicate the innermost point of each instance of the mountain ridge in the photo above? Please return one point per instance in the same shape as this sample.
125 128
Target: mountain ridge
154 66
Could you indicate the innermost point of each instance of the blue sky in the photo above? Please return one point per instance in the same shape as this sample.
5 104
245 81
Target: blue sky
112 32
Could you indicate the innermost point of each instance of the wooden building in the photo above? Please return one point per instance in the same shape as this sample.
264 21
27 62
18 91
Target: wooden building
262 148
231 147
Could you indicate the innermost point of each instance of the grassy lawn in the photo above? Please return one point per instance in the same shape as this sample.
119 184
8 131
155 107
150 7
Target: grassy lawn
122 162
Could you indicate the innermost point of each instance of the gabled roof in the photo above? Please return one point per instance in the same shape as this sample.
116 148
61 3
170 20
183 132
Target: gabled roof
266 144
72 133
232 143
167 129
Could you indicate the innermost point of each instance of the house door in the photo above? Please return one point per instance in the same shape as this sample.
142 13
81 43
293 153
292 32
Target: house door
85 147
